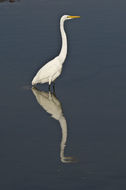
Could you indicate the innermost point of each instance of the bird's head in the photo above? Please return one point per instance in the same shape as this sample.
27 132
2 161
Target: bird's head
67 17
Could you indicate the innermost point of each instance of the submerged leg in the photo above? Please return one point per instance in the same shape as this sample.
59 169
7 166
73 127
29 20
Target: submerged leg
54 87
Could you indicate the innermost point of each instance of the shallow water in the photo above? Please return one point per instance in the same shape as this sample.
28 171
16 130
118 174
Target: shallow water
74 139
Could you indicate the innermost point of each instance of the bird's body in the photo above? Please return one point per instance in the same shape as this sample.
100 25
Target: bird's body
51 70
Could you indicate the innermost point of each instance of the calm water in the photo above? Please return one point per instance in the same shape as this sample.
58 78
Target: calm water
88 113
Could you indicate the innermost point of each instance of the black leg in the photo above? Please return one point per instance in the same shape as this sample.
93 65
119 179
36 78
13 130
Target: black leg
53 87
54 92
49 88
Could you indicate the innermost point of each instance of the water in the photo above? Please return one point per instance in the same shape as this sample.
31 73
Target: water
90 96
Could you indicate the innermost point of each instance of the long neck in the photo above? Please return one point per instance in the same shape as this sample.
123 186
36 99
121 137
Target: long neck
63 51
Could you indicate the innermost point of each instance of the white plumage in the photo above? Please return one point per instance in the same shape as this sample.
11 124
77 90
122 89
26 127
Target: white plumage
48 72
51 70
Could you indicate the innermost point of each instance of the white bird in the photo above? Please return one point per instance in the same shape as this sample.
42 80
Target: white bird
52 105
51 70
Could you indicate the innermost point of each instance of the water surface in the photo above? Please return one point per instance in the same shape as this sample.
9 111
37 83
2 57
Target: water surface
87 112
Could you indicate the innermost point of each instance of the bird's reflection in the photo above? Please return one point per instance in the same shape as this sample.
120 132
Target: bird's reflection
52 105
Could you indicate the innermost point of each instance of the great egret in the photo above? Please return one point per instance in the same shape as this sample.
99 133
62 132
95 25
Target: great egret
52 105
51 70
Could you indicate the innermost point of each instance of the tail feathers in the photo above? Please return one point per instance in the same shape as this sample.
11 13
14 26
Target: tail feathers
34 81
37 80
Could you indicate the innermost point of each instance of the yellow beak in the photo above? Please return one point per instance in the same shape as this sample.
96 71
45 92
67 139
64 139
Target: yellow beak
73 16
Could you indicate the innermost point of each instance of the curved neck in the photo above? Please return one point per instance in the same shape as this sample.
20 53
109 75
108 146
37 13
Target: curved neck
63 51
